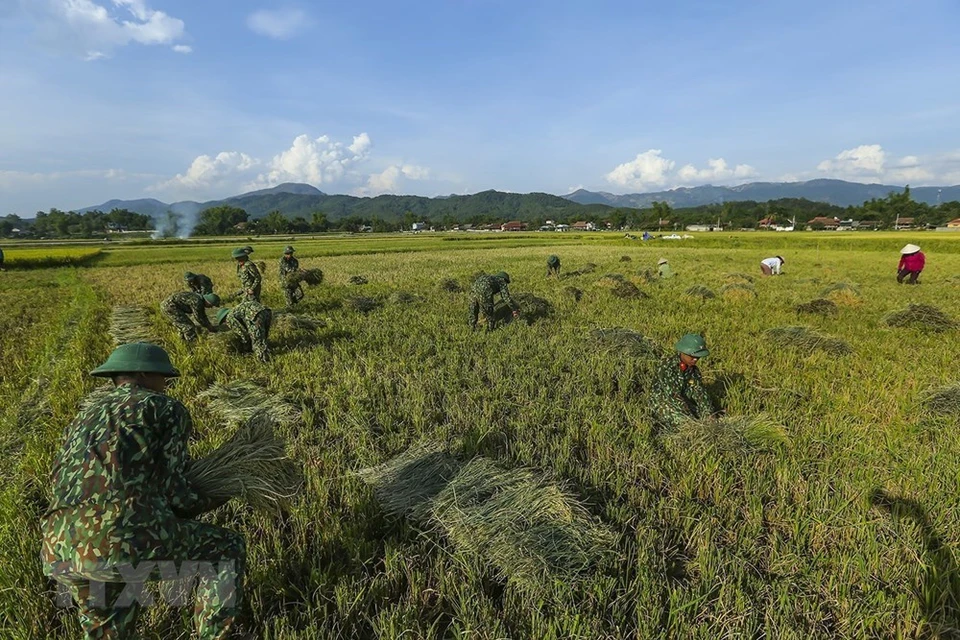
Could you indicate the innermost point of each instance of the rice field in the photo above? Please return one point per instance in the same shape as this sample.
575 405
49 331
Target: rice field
823 505
54 256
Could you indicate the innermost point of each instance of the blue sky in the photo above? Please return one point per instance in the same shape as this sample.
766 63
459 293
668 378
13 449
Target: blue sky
178 99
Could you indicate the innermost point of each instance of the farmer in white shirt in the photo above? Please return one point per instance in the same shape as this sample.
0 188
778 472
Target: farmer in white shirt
772 266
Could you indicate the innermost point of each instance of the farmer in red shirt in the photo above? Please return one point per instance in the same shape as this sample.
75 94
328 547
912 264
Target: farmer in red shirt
911 264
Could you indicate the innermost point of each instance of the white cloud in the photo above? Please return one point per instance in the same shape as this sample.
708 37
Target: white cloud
94 31
206 173
280 24
413 172
388 180
648 169
717 170
183 48
315 161
867 160
871 163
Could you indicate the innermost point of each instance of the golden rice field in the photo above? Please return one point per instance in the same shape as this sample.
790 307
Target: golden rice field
847 525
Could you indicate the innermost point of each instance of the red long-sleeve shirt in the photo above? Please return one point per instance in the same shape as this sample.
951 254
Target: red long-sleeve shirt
912 262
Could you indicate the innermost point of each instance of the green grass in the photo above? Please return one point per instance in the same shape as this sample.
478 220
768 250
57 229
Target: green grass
788 540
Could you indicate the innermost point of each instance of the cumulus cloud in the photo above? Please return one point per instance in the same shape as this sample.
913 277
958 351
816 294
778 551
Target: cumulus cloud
207 173
863 161
315 161
95 29
650 169
388 180
280 24
872 163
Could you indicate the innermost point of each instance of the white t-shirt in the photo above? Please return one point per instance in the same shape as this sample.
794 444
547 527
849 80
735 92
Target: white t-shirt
773 263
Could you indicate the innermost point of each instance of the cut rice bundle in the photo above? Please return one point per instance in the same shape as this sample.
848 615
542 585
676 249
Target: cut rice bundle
358 280
450 285
627 290
944 401
610 281
283 320
312 277
700 291
129 323
843 293
402 297
739 277
818 306
406 483
728 434
237 402
738 291
362 304
922 316
626 259
626 341
808 340
261 266
252 465
574 293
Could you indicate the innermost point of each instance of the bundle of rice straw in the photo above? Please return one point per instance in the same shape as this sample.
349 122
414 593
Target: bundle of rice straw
532 308
261 266
648 276
404 484
922 316
626 290
818 306
251 465
588 268
626 341
312 277
95 396
294 322
728 434
843 293
738 291
450 285
358 280
610 280
626 259
808 340
944 401
402 297
739 276
130 323
362 304
574 293
237 402
700 291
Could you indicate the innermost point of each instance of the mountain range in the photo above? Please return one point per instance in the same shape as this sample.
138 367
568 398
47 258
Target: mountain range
294 200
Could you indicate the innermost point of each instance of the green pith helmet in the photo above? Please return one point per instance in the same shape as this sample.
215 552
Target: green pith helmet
289 249
239 253
136 357
212 299
694 345
248 249
222 315
503 276
189 275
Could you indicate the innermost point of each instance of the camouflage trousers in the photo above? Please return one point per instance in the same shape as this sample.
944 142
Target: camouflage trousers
553 271
182 321
293 294
485 306
109 609
253 335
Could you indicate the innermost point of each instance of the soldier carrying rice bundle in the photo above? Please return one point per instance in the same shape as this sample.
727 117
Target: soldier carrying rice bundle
249 275
291 285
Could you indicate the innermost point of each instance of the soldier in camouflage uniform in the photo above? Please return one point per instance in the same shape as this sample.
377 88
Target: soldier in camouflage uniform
198 283
553 266
249 275
678 393
250 321
182 305
248 250
481 298
122 510
288 266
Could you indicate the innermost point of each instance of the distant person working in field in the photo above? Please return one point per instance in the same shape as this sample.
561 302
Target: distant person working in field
553 266
677 393
1 261
182 305
198 283
122 511
481 298
664 269
772 266
250 322
289 266
911 264
250 280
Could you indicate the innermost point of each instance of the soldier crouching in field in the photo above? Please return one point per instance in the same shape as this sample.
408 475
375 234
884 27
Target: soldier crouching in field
182 305
481 298
122 508
678 393
250 322
553 266
289 266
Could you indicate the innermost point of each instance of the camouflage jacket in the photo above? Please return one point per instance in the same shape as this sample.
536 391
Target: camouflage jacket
678 392
190 303
245 313
249 276
287 267
485 287
117 480
201 284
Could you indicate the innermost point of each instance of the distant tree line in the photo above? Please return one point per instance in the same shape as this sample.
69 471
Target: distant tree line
69 224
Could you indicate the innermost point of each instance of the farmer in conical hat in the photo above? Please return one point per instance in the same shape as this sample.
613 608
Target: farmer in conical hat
911 264
122 510
772 266
481 298
288 266
250 321
186 309
553 266
198 283
664 269
250 281
677 393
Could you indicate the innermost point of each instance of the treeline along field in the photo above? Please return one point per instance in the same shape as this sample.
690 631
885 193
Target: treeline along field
848 528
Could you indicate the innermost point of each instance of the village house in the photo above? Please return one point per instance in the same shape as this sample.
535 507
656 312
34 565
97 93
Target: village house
827 223
704 227
766 223
905 223
514 225
584 226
